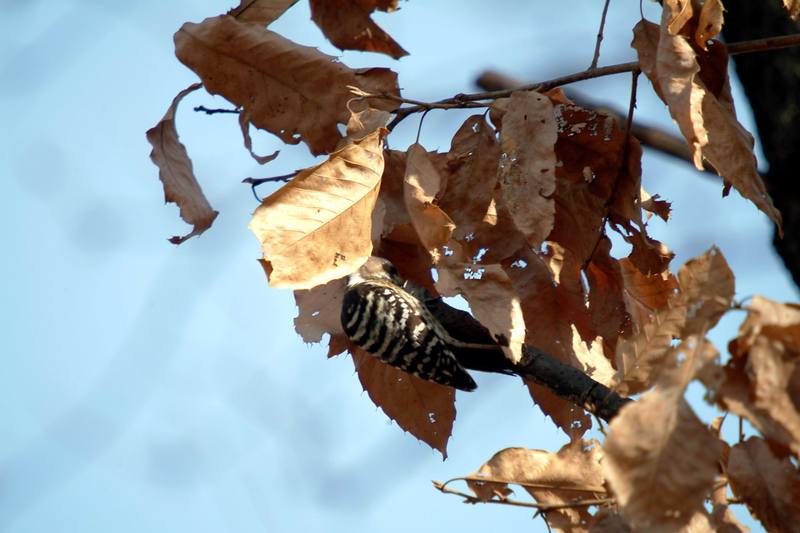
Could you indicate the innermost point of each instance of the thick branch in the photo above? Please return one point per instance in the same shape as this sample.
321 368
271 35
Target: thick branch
563 380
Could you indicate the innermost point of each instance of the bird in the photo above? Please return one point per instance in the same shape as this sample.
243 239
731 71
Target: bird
392 322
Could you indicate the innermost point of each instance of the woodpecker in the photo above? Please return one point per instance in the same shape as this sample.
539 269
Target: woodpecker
394 325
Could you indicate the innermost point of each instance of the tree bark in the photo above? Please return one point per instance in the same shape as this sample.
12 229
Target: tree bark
771 81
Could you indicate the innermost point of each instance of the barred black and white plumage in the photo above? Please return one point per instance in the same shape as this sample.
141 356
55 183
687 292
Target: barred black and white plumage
389 322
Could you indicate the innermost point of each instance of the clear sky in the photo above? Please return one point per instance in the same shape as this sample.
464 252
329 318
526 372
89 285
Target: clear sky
148 387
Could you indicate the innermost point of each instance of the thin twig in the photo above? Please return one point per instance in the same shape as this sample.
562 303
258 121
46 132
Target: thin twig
255 182
207 111
527 485
596 56
462 101
470 498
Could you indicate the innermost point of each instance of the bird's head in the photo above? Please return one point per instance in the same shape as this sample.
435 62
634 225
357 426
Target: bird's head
376 268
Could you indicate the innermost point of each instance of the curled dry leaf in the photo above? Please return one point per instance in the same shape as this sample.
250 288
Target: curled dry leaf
421 185
770 486
660 461
295 92
528 161
348 25
176 173
567 477
261 12
706 117
760 382
244 124
318 227
710 22
423 408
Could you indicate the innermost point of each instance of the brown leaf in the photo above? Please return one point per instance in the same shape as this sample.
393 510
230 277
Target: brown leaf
768 485
660 461
527 163
571 419
492 299
762 379
176 173
710 22
318 226
423 408
295 92
707 288
319 312
593 358
606 297
707 120
421 185
589 152
244 124
569 476
347 24
645 295
656 206
793 7
261 12
473 159
641 358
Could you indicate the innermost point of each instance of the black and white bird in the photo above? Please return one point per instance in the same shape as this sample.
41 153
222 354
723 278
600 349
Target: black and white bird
394 325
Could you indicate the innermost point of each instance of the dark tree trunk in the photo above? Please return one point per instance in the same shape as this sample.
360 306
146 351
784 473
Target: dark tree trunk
771 81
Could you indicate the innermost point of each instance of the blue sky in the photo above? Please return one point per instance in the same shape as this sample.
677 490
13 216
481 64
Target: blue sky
148 387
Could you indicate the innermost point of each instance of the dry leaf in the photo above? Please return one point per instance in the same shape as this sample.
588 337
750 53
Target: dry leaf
710 22
707 288
347 24
421 185
527 163
768 485
656 206
609 316
492 300
423 408
641 358
706 117
592 358
472 160
660 461
793 7
261 12
295 92
574 421
318 226
319 312
571 475
761 382
244 124
176 173
645 295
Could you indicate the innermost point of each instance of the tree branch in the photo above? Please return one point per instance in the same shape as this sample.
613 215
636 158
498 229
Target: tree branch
471 498
563 380
482 99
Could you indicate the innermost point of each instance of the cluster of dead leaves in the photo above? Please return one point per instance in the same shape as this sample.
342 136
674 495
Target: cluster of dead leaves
514 218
